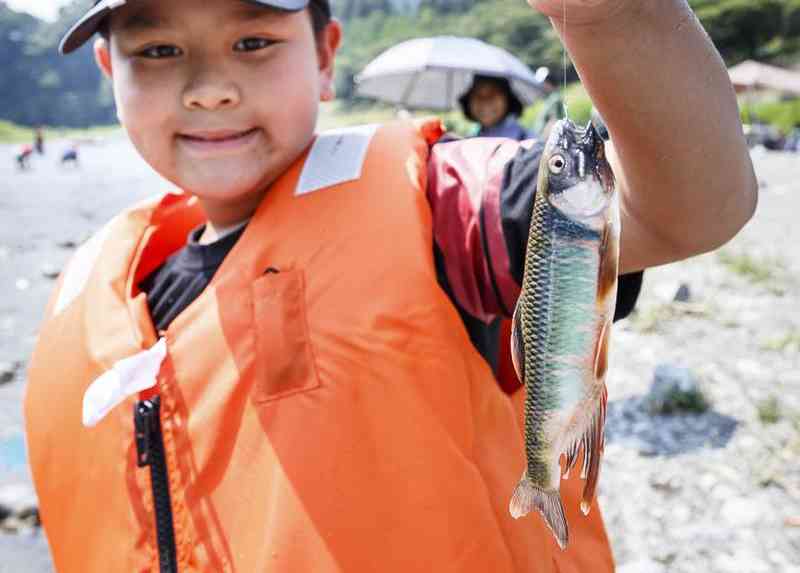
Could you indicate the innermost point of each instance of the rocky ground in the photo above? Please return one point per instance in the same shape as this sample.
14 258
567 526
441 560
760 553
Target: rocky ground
715 491
46 212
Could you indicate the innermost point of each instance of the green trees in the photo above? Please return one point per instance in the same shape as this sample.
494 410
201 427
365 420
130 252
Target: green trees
37 86
791 23
742 29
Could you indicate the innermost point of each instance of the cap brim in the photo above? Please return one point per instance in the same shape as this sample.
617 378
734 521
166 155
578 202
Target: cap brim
87 26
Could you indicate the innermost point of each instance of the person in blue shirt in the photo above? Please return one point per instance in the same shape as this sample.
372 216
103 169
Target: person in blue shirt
492 103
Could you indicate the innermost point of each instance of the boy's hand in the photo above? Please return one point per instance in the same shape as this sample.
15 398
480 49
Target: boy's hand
684 173
578 11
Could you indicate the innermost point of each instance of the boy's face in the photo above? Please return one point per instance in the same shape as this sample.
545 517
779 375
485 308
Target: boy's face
219 97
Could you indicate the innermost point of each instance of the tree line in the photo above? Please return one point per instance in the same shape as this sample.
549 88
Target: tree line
39 87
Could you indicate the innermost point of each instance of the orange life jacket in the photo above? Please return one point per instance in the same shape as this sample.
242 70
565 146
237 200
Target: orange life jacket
322 407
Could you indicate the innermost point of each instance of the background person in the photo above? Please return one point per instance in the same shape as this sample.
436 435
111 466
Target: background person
38 140
70 155
492 103
23 157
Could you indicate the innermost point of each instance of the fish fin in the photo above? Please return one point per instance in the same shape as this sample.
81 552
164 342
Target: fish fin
595 433
571 455
608 269
517 345
527 497
593 445
601 352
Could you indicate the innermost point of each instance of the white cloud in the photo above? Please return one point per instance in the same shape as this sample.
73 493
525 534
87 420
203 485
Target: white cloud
47 9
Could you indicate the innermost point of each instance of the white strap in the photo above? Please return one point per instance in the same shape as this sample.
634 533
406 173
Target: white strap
127 377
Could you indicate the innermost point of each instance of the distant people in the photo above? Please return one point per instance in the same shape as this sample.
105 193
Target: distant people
70 156
492 103
38 140
24 156
792 142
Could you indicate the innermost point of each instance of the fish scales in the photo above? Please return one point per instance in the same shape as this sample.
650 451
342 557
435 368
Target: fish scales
560 327
551 286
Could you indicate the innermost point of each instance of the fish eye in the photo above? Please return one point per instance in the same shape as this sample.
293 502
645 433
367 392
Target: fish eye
556 164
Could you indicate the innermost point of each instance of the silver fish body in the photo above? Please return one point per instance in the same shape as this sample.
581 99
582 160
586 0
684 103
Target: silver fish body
562 320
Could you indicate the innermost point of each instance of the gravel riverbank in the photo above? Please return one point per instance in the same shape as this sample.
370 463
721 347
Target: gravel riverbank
717 491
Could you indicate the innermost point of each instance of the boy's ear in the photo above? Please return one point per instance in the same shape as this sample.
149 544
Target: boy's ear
327 44
102 56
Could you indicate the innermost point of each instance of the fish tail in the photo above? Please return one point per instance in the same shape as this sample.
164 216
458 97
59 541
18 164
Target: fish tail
528 496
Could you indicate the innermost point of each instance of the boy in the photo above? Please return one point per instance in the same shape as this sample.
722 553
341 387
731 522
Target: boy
70 155
292 389
24 156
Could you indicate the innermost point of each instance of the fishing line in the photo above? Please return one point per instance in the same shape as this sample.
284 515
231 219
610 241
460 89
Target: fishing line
564 62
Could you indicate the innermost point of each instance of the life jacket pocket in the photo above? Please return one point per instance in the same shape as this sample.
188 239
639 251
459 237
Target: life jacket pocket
285 363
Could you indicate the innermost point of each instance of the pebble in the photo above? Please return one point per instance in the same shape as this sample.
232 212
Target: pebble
748 561
8 371
49 271
671 384
750 368
743 512
641 566
67 244
747 442
17 499
683 294
793 521
682 513
777 557
707 481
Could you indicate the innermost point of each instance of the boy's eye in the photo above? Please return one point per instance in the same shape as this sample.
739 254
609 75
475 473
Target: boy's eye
161 51
252 44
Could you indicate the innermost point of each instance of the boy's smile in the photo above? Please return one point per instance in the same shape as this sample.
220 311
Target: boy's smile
208 143
219 100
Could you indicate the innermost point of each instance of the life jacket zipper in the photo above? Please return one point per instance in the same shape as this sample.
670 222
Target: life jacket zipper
150 452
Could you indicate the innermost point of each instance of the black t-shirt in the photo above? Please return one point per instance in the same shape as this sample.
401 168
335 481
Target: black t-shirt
175 284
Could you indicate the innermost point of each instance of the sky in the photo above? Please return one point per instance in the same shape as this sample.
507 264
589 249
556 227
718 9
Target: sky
47 9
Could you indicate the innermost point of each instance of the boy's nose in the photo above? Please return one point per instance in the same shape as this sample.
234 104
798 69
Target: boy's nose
211 95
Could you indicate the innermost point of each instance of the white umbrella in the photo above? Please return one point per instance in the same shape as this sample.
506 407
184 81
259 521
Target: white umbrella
431 73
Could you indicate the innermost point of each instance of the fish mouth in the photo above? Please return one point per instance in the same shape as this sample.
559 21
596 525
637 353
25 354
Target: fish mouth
584 201
580 179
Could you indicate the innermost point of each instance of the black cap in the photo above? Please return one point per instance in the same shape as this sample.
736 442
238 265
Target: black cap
90 22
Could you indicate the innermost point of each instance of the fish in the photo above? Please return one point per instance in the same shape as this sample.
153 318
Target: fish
562 321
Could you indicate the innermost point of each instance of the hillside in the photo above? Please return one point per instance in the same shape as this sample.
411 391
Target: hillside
40 87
